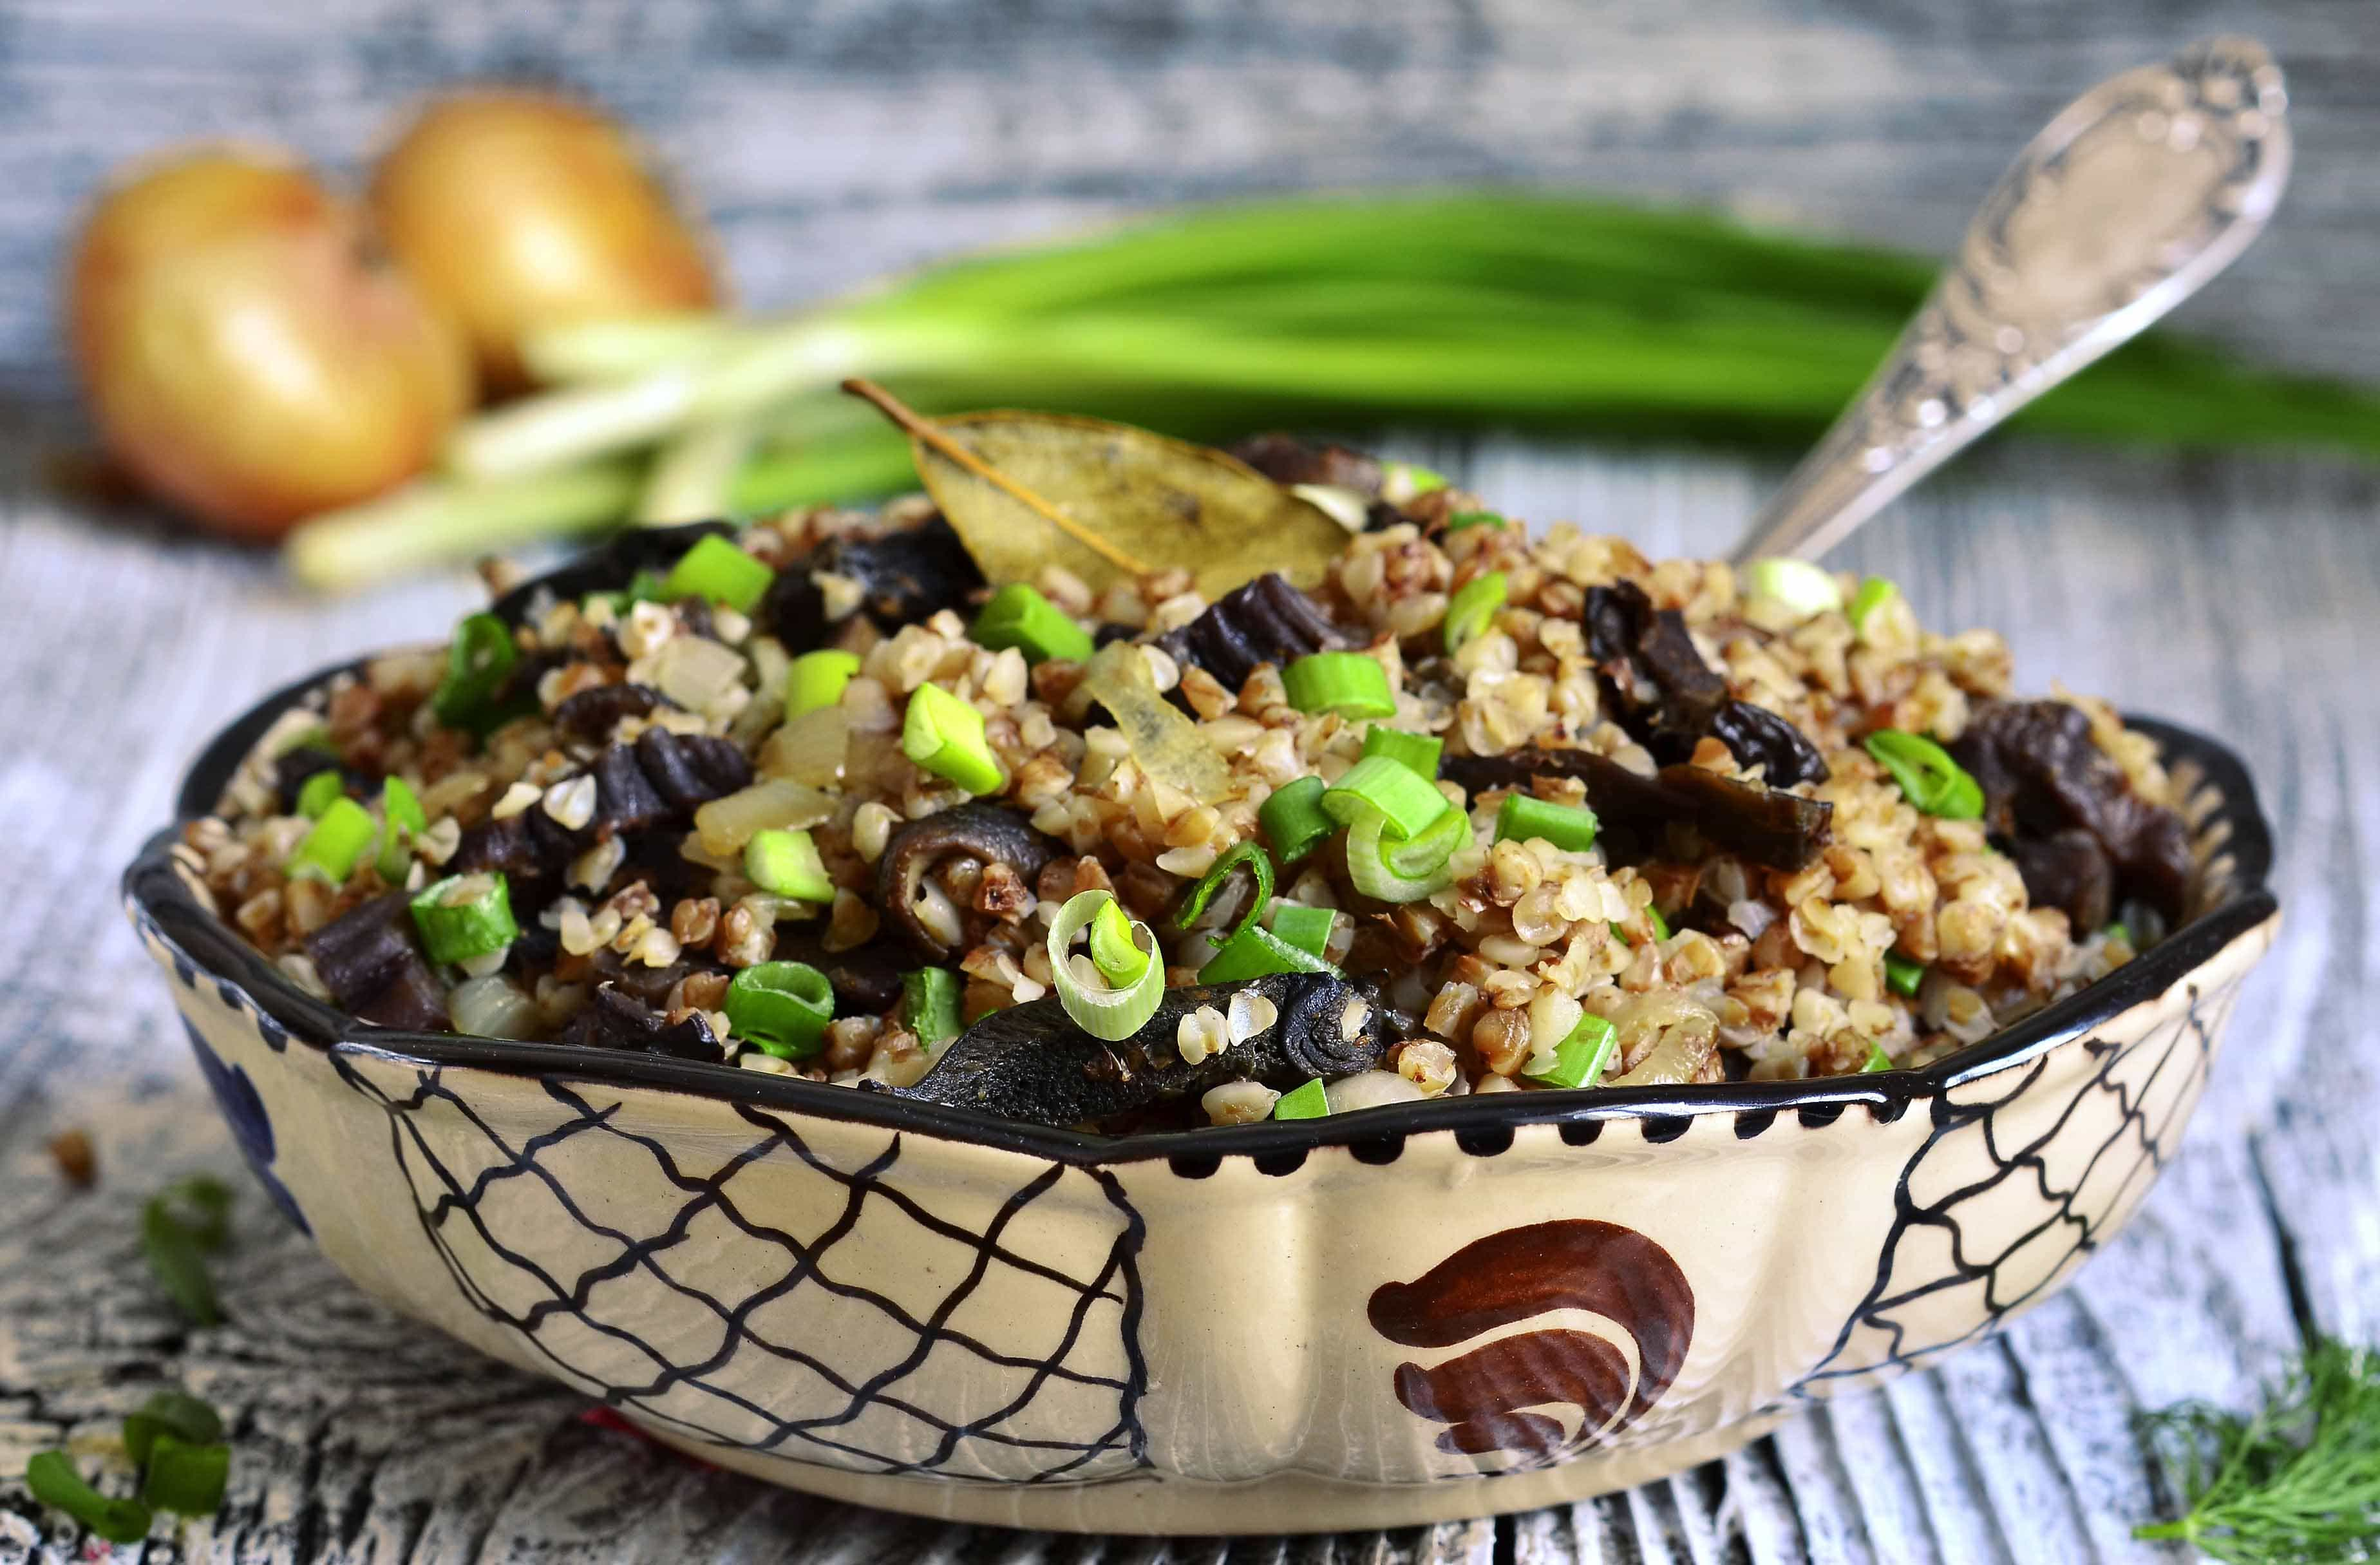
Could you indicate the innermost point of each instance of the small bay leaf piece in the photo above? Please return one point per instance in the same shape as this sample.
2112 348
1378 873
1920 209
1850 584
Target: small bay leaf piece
1168 746
1107 502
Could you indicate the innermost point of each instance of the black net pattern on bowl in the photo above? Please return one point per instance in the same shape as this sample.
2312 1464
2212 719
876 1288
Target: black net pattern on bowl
842 1320
2062 1192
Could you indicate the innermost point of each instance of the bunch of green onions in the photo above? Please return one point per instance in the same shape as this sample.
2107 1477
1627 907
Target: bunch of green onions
1473 310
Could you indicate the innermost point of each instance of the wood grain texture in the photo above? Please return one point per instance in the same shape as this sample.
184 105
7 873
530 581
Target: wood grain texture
829 141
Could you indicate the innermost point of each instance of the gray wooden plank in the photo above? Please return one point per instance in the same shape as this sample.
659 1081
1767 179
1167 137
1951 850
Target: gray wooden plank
2227 594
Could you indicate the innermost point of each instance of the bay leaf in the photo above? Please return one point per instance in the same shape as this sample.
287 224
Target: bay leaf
1157 503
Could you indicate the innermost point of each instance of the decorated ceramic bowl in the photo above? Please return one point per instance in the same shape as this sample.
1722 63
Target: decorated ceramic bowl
1408 1314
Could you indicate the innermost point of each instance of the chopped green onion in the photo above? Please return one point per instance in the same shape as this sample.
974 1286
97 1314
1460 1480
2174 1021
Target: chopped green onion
171 1412
1410 801
716 569
815 679
780 1008
1307 928
402 821
1388 869
399 803
2118 930
1410 479
1524 816
647 586
1462 519
51 1476
1419 751
1877 1060
1579 1059
1928 777
1473 609
1347 682
319 793
1194 902
1114 950
1307 1102
1256 951
929 1004
1902 975
1293 819
339 838
1805 588
185 1478
786 863
465 916
180 1226
1872 594
944 735
1109 1014
1018 616
477 661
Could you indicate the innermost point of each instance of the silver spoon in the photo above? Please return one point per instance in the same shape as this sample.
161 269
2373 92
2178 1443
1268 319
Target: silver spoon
2145 188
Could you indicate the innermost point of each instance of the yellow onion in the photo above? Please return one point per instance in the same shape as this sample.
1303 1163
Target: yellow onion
518 211
243 355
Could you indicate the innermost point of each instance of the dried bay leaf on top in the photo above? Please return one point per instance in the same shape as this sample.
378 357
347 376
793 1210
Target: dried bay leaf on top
1157 503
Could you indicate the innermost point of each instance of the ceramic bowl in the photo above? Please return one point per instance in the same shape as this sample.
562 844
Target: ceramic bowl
1417 1313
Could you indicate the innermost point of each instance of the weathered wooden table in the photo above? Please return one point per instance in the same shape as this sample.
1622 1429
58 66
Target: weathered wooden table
2239 595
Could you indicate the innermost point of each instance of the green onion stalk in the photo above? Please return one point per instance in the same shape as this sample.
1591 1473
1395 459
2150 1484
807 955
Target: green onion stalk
1499 309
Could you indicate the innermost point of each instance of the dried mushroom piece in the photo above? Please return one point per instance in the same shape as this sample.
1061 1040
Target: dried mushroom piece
369 959
987 833
1268 621
2043 775
1767 825
1656 681
1031 1062
615 1019
903 576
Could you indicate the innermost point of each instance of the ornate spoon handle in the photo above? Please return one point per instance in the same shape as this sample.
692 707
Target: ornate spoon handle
2145 188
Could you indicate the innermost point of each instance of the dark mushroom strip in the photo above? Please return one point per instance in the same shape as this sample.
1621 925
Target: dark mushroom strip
866 981
2068 869
625 800
649 985
532 848
904 576
615 1020
1767 825
2042 773
1031 1062
369 959
1756 736
1668 698
1268 621
1285 459
591 715
691 769
986 832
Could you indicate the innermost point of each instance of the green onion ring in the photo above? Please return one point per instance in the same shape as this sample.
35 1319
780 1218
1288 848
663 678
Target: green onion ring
1111 1014
1194 902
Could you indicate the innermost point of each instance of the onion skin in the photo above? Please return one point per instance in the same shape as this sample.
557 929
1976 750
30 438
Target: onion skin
242 357
518 211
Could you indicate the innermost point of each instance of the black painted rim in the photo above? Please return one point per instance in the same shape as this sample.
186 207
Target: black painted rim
158 897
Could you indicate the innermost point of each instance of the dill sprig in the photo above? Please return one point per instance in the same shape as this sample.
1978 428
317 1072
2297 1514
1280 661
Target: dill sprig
2296 1482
